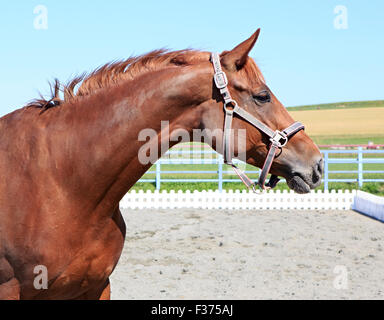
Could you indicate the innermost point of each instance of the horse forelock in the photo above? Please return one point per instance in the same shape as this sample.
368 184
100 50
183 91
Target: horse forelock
252 71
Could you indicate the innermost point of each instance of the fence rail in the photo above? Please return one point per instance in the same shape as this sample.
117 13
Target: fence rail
355 158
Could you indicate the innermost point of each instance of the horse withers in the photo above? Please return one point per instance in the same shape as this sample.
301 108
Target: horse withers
67 162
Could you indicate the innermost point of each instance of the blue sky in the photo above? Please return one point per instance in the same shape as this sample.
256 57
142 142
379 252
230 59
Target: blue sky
304 58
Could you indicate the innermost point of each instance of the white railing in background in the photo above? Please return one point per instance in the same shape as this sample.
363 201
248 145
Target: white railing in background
279 200
357 158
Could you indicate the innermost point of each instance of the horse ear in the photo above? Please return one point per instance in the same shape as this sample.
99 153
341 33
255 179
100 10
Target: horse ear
236 58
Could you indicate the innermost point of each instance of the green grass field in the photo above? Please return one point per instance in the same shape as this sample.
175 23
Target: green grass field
351 129
348 139
341 105
374 188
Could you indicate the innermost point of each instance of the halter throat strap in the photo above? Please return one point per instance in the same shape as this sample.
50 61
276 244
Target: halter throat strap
278 139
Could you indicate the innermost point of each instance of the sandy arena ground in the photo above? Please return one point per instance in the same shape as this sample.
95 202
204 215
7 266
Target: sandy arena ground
223 254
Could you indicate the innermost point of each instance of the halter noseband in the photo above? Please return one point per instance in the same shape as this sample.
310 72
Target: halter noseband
277 138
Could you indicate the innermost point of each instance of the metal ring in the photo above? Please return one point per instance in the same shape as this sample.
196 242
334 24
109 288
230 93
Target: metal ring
259 190
233 103
285 141
256 188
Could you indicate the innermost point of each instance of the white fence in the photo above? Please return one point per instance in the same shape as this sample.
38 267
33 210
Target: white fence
245 200
349 166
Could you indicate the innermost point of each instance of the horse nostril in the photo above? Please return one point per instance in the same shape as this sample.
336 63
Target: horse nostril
320 166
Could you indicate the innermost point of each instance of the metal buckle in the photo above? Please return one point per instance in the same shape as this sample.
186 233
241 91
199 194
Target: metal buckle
220 80
277 137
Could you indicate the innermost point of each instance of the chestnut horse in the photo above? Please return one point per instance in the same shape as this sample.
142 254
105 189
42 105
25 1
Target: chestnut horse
67 162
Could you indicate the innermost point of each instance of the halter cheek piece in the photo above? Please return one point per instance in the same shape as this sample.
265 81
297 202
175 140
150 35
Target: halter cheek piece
277 138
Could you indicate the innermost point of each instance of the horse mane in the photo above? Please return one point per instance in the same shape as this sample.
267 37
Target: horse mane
128 69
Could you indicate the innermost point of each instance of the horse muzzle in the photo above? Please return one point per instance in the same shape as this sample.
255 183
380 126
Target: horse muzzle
304 178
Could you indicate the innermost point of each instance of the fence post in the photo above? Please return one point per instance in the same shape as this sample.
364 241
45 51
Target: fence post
220 172
326 171
158 174
360 166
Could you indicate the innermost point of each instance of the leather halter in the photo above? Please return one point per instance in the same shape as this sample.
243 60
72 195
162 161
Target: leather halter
277 138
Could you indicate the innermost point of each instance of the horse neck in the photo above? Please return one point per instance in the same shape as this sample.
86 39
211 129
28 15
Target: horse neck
106 133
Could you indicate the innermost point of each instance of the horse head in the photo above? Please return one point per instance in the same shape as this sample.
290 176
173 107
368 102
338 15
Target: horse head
243 102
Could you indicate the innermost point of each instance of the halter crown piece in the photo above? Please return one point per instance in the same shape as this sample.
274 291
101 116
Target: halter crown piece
278 139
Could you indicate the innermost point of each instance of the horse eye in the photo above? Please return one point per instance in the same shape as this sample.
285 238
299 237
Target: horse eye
262 97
